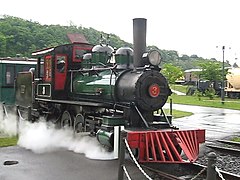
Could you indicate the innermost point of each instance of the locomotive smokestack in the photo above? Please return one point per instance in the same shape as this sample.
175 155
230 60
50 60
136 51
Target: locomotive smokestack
139 41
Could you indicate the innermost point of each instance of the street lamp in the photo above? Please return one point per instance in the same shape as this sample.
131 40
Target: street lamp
223 77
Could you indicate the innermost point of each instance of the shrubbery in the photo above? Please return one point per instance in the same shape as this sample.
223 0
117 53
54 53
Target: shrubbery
210 93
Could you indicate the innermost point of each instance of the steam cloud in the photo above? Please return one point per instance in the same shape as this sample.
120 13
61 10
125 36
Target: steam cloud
8 124
41 137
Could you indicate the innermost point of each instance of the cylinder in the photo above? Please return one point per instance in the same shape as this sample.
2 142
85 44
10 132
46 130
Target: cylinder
105 138
139 41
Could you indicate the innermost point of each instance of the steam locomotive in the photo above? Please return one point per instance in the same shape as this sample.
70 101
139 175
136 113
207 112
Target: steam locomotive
96 88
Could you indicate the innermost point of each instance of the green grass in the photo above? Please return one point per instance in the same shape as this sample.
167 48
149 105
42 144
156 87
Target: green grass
8 141
205 101
179 88
177 113
236 139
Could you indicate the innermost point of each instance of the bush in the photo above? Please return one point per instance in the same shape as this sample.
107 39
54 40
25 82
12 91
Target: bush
210 92
198 94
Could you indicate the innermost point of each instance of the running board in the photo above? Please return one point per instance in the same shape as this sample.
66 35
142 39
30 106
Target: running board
166 146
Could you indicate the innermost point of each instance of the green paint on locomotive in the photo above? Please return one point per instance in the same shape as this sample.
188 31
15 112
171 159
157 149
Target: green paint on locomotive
99 58
105 138
123 59
100 84
113 121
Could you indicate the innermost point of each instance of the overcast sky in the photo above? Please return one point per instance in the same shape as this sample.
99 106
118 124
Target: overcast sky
187 26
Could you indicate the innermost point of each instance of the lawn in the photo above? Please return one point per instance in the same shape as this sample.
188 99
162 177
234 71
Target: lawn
177 113
205 101
8 141
202 101
236 139
179 88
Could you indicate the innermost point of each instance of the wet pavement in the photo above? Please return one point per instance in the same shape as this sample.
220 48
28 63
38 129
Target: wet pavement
218 123
58 165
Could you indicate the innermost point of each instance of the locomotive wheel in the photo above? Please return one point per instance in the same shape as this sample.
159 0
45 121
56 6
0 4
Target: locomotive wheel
66 119
78 125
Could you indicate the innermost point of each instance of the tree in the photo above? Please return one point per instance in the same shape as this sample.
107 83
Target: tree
194 56
184 57
3 45
211 70
171 72
19 36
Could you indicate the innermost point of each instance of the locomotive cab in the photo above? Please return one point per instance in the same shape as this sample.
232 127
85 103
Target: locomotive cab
57 62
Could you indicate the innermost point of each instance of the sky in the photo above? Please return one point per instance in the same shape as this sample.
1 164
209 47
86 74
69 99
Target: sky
200 27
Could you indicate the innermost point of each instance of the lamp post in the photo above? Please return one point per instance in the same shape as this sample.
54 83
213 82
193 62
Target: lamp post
223 77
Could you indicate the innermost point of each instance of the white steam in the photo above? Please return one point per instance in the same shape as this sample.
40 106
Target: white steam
8 124
41 137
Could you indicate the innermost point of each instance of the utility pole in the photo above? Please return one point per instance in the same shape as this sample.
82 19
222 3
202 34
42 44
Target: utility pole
223 77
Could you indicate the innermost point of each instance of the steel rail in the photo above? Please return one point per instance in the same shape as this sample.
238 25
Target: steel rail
161 173
226 175
229 142
225 149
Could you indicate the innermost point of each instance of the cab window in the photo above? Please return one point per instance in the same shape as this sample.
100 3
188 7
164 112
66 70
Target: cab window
10 75
78 53
61 61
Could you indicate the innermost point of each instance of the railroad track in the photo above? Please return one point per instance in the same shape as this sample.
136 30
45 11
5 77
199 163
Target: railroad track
225 174
176 171
225 149
198 171
227 157
229 142
158 174
186 171
225 146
